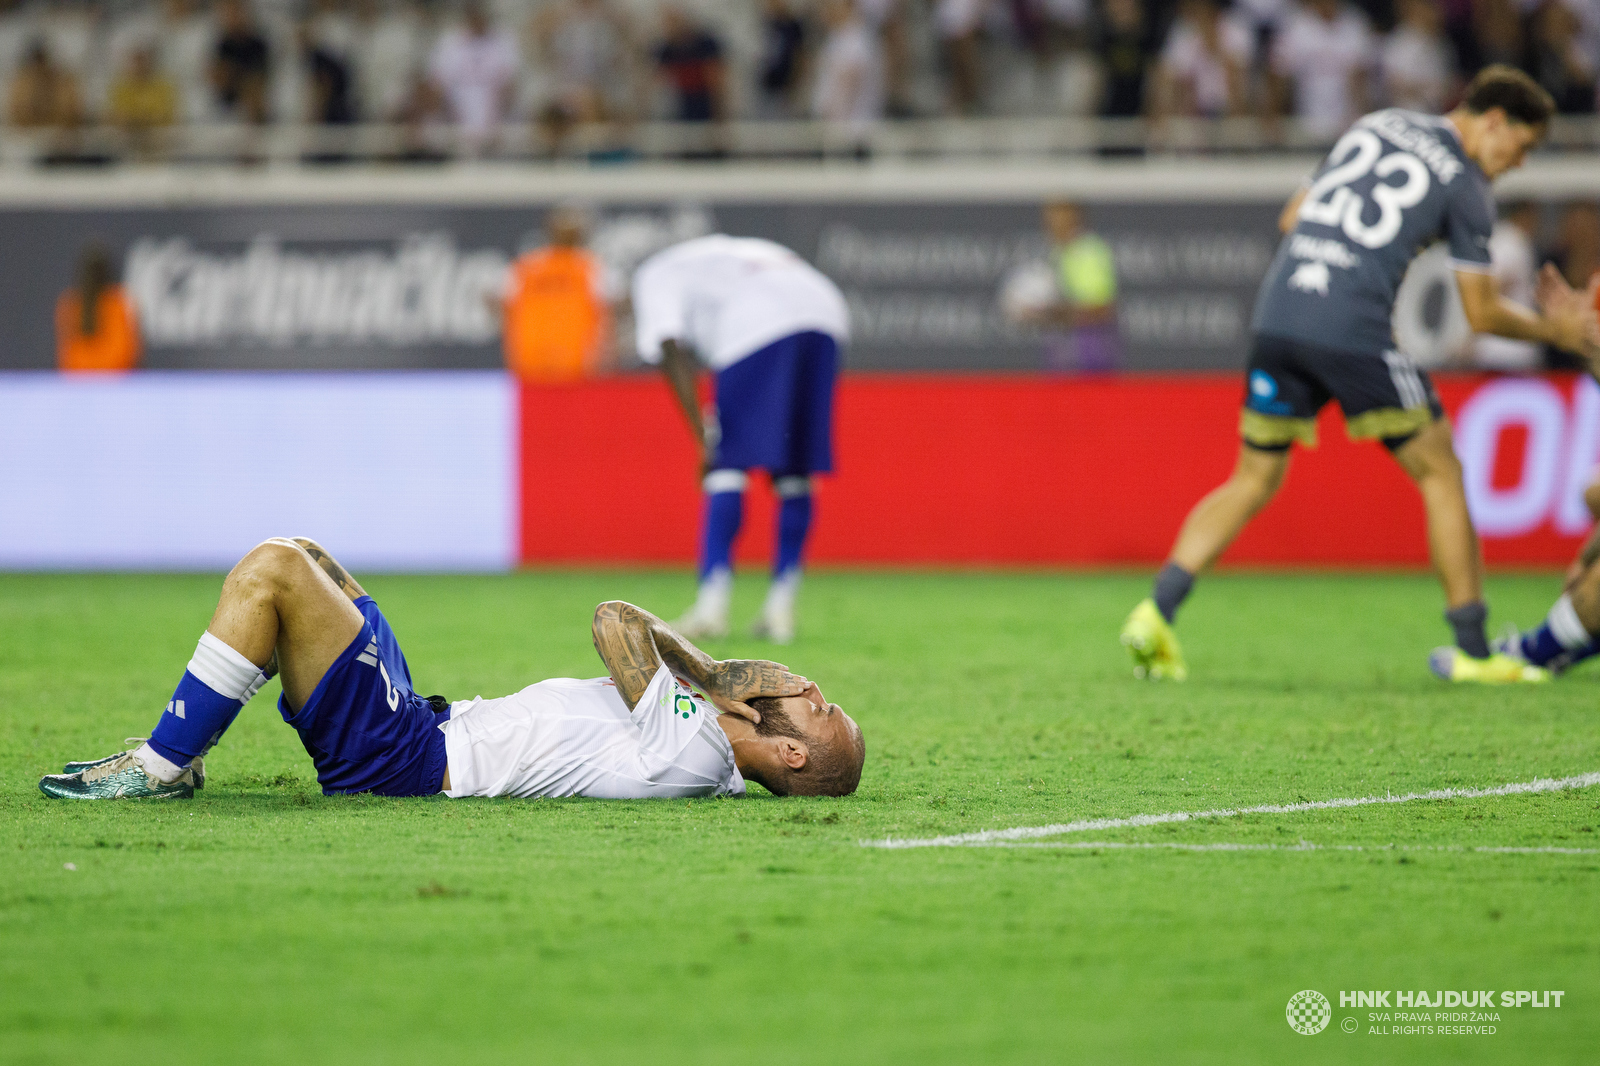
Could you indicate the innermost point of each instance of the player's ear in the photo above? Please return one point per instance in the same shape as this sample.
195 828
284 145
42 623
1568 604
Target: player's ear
792 752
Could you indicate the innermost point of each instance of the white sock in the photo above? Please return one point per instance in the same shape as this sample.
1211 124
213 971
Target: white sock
782 593
157 765
716 591
223 670
1565 626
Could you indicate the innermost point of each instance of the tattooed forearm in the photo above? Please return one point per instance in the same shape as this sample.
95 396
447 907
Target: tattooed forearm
331 567
633 643
624 643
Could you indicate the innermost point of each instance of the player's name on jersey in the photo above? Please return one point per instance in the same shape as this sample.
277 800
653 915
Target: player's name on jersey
1394 127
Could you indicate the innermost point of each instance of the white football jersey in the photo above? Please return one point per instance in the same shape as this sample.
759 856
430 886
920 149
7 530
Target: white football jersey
728 297
567 737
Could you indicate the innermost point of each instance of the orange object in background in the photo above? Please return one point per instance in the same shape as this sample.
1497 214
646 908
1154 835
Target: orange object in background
111 342
557 323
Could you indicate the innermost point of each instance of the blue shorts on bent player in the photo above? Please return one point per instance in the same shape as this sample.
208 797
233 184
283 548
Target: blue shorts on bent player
364 726
775 407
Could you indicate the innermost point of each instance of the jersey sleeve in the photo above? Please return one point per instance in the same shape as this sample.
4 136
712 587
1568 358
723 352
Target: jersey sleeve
658 308
668 715
1469 223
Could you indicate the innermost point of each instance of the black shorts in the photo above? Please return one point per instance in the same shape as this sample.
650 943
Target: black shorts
1384 395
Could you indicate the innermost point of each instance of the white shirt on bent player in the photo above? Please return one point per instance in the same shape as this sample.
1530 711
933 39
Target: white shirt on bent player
729 297
567 737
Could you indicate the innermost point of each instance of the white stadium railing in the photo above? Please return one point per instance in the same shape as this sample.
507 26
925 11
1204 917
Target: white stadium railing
991 138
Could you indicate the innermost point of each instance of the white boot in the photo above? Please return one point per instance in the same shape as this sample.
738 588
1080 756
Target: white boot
777 614
709 615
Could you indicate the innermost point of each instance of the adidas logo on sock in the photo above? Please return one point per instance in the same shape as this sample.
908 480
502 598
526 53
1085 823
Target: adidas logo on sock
176 707
369 656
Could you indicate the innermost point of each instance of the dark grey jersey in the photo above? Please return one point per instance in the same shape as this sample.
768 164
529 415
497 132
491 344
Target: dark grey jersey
1396 182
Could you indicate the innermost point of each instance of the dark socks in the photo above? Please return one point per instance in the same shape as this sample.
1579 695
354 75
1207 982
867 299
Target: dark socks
1171 589
1467 621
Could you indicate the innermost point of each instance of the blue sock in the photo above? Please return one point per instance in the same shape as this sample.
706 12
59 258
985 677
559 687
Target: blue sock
1540 646
214 689
724 491
1561 640
794 523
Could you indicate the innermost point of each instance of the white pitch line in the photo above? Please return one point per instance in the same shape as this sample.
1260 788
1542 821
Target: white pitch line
1029 832
1304 845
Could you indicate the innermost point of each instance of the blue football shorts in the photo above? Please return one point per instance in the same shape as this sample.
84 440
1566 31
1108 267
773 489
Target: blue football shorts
364 726
775 407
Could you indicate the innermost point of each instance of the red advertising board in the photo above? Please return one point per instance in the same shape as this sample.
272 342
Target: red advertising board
973 470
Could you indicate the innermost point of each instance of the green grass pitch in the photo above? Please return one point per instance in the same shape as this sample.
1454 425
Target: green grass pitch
264 923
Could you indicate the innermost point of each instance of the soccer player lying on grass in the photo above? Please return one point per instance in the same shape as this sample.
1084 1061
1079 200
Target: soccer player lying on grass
289 608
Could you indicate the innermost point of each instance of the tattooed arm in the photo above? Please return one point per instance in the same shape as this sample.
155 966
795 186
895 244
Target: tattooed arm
633 643
331 567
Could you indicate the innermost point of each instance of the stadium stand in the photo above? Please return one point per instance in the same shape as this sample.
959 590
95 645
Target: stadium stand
607 80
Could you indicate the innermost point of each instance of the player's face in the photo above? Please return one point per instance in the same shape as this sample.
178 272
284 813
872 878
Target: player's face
1504 144
816 717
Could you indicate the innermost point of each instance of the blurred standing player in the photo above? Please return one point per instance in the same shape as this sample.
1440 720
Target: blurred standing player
770 326
555 311
1394 183
1084 316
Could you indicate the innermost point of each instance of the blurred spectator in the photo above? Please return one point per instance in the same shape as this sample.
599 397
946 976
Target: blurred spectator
690 58
240 63
389 42
44 95
330 101
1516 268
423 113
783 39
960 23
1205 65
555 310
142 100
1321 60
1497 31
96 326
1418 62
849 86
475 68
888 20
1076 305
1557 60
1577 250
1127 45
587 45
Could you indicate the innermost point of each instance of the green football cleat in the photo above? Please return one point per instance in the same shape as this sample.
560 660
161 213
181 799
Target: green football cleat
1153 645
121 777
1453 664
198 765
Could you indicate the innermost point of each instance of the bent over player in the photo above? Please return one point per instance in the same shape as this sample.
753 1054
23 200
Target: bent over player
668 722
770 326
1393 184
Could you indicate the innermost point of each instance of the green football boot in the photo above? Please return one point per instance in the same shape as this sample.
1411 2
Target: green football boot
1153 645
121 777
1452 664
198 766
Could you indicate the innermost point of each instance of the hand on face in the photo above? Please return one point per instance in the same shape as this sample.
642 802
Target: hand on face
738 680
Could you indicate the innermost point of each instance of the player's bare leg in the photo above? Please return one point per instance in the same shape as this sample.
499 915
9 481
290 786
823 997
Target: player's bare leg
1570 632
279 607
1210 527
1222 514
281 599
1429 458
